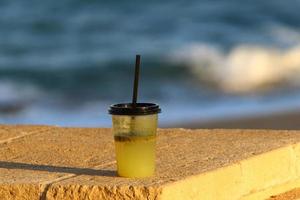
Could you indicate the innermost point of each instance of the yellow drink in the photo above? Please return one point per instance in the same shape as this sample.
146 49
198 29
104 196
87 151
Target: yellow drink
134 129
135 155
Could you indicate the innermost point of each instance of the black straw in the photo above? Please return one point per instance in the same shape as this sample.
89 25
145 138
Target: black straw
136 80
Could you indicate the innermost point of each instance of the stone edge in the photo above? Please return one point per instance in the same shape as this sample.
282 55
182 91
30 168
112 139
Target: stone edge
245 178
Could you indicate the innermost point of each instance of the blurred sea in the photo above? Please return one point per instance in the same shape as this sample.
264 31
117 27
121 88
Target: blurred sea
64 62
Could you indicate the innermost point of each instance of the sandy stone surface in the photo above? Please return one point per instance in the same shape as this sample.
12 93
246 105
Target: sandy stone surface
290 195
8 133
79 163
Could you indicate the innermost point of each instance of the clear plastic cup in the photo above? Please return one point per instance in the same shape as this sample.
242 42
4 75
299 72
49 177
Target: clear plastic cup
134 130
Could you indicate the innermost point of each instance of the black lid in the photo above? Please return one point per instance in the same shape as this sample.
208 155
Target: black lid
128 109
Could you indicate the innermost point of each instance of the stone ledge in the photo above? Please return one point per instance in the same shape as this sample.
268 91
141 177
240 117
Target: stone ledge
290 195
9 133
277 192
79 163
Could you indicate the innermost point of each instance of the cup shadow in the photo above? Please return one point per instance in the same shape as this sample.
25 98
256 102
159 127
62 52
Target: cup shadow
58 169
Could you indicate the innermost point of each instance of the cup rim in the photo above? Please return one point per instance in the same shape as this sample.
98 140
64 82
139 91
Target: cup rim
139 109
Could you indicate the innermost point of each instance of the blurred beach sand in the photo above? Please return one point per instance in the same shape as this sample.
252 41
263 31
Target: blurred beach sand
288 120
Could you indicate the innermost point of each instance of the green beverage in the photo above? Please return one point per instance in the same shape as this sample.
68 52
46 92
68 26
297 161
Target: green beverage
134 128
135 155
135 138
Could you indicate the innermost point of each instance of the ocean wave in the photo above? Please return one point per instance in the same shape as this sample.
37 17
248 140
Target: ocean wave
245 68
285 35
16 97
242 69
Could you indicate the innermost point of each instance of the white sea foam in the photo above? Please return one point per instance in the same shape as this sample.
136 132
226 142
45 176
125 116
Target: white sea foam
285 35
13 94
244 68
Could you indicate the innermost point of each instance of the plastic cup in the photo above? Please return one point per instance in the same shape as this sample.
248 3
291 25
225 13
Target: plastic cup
134 130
